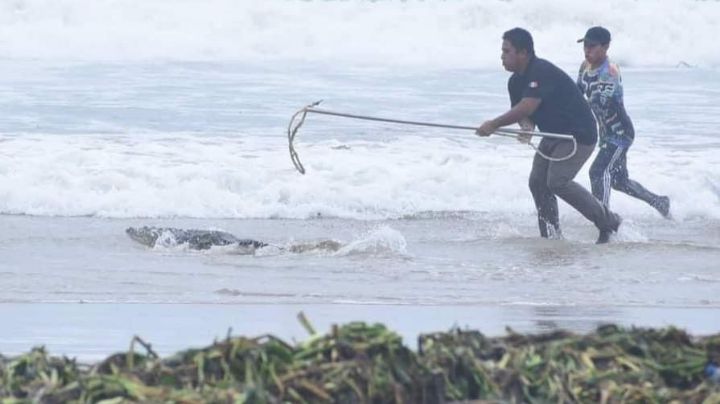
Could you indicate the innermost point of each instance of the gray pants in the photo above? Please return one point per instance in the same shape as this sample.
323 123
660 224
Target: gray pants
551 178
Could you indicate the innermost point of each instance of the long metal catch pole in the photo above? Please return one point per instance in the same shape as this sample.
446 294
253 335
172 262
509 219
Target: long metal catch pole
298 119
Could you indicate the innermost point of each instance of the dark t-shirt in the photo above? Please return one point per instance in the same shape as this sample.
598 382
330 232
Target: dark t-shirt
563 108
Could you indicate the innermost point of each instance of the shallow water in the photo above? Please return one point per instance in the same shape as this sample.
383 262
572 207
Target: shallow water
436 227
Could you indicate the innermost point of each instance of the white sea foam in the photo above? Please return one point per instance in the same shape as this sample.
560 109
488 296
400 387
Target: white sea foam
383 240
251 177
436 33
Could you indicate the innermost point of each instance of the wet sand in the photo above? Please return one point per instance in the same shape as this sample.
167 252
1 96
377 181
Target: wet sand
92 332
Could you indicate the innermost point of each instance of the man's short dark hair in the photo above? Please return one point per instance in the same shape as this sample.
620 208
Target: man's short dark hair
520 40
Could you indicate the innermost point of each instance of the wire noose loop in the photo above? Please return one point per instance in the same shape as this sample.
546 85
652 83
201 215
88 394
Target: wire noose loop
293 127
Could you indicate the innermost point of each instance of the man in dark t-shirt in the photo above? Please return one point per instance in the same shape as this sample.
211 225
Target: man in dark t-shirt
541 94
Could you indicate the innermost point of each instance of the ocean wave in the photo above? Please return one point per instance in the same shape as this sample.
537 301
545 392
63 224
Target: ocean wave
431 33
208 177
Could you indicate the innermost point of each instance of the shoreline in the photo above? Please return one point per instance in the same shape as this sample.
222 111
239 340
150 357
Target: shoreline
92 331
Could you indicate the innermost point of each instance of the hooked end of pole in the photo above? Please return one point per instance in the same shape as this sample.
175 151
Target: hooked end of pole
293 127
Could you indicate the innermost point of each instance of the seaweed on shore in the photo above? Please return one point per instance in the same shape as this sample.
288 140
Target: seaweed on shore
367 363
